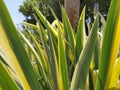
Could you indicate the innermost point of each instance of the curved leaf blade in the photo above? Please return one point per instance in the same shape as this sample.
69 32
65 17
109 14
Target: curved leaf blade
81 37
110 46
82 67
17 46
63 71
6 82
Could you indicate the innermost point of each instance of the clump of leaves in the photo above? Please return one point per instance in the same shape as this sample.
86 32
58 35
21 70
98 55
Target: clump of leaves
53 56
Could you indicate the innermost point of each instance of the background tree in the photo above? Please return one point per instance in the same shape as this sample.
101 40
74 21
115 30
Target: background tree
72 8
26 9
103 7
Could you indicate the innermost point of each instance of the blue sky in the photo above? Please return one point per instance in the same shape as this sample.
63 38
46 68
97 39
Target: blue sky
13 6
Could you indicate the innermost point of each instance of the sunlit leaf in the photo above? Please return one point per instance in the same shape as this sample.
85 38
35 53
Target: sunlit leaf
63 76
6 82
81 37
110 46
82 67
15 48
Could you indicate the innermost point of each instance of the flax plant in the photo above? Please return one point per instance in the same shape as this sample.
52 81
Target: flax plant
51 56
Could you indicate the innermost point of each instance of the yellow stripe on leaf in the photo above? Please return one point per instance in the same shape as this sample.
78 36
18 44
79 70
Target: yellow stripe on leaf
11 58
114 51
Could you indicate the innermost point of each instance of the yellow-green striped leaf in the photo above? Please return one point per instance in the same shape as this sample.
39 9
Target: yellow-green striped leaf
68 29
8 30
63 71
46 23
115 75
81 37
6 82
82 67
110 46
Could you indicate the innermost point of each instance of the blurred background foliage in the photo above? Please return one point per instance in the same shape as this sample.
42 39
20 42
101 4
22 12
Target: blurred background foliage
42 5
26 9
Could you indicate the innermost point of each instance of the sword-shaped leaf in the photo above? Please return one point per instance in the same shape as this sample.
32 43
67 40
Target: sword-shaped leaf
16 47
82 67
110 46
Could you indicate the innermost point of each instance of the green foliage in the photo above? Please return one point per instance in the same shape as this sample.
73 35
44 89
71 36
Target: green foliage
110 46
52 57
43 6
82 67
103 7
6 82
